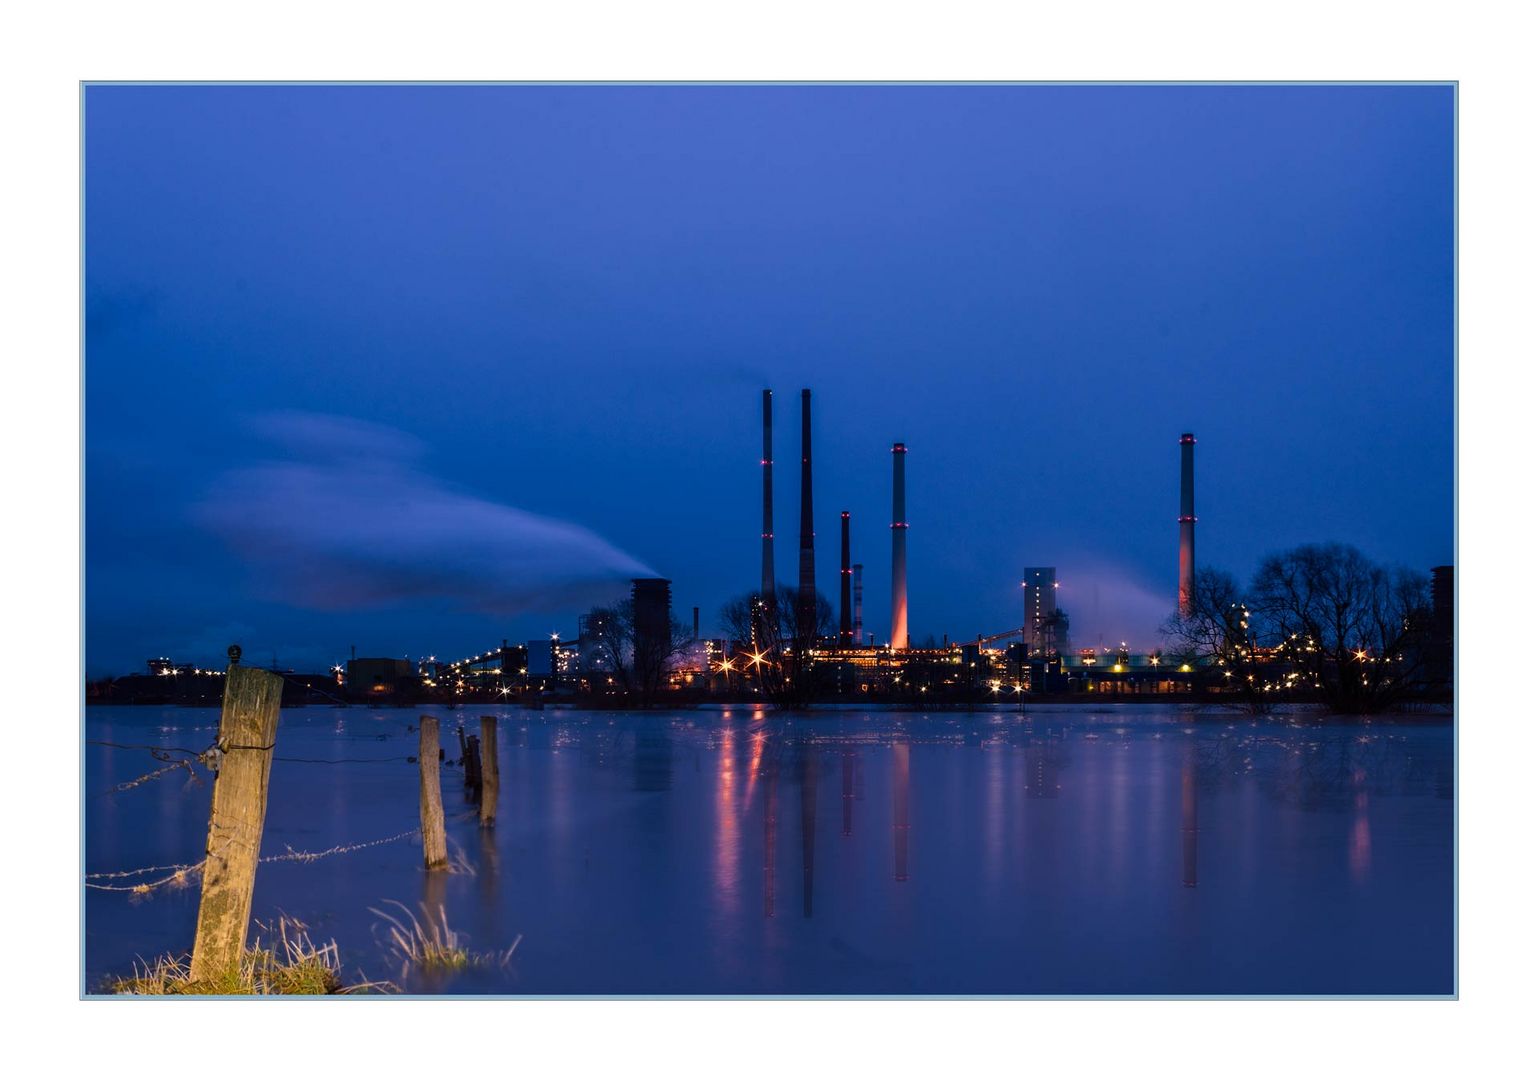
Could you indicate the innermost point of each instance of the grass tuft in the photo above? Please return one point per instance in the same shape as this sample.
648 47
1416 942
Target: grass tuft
431 945
292 965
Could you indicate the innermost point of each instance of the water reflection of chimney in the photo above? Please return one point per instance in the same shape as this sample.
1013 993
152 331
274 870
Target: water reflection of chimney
809 785
1189 822
652 762
771 778
1041 769
900 812
1361 850
848 791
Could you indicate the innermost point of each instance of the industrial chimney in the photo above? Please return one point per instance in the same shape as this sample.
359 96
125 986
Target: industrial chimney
845 634
1188 519
899 552
857 632
767 537
806 585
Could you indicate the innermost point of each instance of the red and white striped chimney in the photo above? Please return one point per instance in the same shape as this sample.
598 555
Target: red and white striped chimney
899 551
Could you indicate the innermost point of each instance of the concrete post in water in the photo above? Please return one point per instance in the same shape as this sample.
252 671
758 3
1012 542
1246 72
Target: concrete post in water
490 778
248 727
435 849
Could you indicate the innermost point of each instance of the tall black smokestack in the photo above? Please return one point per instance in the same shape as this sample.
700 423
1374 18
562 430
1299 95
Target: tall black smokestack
767 537
806 586
1188 519
846 638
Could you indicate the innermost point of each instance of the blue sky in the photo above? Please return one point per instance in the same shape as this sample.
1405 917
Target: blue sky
419 368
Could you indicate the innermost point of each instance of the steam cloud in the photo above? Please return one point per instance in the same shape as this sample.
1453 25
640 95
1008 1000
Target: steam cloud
348 520
1107 604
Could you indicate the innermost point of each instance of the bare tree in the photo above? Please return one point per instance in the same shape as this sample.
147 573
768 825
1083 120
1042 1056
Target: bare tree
653 654
1216 633
641 661
781 642
1352 629
610 629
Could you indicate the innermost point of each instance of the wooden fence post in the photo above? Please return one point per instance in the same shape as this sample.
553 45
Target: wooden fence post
248 728
489 776
472 762
435 849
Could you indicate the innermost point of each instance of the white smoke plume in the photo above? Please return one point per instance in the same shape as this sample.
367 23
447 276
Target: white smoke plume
347 519
1108 604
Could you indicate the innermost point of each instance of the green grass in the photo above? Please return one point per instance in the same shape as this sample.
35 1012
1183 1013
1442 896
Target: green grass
430 945
293 964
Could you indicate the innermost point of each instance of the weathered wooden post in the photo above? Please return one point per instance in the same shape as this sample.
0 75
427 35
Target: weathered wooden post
472 761
435 849
248 728
489 775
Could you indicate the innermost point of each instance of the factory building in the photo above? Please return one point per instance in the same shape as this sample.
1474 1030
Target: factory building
652 610
503 672
1438 655
1046 628
379 677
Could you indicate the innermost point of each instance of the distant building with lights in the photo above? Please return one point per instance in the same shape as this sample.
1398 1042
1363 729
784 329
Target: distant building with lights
380 677
1046 626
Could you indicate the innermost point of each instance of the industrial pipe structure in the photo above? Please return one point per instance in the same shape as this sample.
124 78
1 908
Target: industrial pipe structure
1188 555
899 552
767 462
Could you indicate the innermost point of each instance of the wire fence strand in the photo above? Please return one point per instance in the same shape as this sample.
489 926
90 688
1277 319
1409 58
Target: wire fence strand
181 873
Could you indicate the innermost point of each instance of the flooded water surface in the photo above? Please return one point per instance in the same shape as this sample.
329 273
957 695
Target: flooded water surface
1132 850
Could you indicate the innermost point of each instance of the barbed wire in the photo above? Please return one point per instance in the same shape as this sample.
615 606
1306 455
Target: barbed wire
156 774
154 750
180 873
173 867
178 876
208 758
340 849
